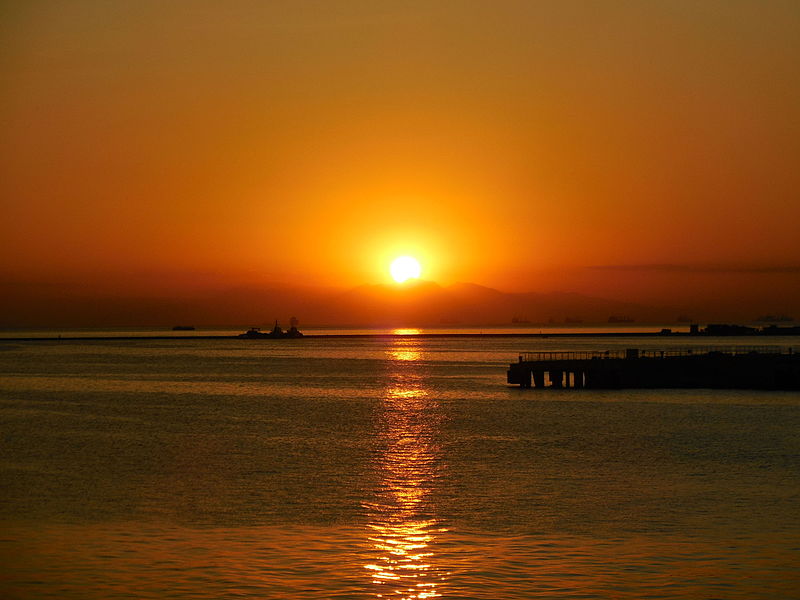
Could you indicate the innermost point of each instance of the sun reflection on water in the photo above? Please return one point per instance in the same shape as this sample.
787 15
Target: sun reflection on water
406 331
403 528
404 353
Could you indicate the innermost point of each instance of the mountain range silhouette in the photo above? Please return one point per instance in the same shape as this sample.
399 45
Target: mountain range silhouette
411 304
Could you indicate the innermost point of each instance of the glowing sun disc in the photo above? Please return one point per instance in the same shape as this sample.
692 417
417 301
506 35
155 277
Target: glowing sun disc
405 267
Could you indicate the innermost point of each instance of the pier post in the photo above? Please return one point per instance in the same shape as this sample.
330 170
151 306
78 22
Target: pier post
525 379
538 379
557 379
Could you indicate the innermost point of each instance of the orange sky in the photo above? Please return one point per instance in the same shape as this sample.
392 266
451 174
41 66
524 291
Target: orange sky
515 144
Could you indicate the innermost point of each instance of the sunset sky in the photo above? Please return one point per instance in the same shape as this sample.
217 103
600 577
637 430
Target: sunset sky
637 150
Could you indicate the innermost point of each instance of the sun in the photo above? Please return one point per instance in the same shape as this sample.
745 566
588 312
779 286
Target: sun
405 267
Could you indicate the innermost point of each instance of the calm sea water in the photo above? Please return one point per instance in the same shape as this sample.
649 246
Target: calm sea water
382 468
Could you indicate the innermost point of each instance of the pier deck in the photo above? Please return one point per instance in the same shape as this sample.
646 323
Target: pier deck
761 367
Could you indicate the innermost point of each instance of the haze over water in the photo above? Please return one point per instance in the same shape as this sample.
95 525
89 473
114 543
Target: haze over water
392 468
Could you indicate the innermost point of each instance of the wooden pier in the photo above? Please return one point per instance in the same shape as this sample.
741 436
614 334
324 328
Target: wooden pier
762 368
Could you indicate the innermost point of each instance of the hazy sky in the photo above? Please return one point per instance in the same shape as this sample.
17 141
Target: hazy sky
606 147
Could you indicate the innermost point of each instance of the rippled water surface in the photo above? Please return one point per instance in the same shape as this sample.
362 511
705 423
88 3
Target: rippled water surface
382 468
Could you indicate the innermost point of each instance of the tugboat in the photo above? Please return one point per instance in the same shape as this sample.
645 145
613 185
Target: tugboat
255 333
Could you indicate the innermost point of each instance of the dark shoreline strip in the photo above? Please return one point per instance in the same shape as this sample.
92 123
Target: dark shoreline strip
637 334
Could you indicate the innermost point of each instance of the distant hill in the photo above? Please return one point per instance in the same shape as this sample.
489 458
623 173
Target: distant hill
427 303
415 303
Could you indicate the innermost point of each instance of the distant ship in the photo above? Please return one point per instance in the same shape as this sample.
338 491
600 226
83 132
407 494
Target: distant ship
774 319
183 328
276 333
618 319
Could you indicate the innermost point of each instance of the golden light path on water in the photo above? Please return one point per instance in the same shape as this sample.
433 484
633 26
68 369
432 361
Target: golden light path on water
403 530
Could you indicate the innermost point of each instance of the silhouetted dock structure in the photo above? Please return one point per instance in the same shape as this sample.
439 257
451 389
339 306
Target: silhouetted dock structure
751 367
